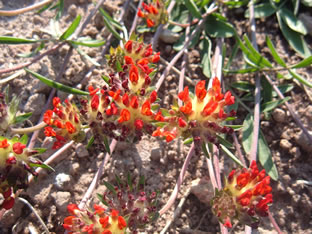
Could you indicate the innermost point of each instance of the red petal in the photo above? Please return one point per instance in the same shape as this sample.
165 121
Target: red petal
18 147
184 95
200 90
124 116
128 45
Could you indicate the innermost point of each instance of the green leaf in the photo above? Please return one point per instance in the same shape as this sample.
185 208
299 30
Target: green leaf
242 71
106 79
243 86
129 181
87 57
60 6
101 198
113 22
218 28
90 142
45 166
247 133
205 150
31 54
24 139
22 118
188 141
56 85
106 144
304 63
88 42
268 106
295 39
205 54
224 142
16 40
275 55
283 88
71 29
108 24
235 127
292 22
265 158
191 6
110 187
307 3
266 91
261 10
40 150
231 155
261 60
300 78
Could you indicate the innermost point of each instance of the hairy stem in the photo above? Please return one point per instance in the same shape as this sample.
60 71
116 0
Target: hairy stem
175 192
28 130
25 9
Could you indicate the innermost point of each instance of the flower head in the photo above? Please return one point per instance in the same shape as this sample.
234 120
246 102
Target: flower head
245 197
16 161
98 220
134 202
64 123
200 116
154 13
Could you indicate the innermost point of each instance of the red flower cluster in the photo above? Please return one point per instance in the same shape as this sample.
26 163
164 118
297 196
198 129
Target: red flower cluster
245 196
64 123
15 164
93 222
154 13
200 116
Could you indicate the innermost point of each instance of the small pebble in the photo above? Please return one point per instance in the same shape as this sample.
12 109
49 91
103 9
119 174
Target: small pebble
296 152
61 200
156 154
81 151
279 115
303 141
62 181
285 144
72 10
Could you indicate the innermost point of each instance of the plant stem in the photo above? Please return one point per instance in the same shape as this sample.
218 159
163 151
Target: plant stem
175 192
25 9
36 214
35 59
135 18
275 225
28 130
97 176
256 123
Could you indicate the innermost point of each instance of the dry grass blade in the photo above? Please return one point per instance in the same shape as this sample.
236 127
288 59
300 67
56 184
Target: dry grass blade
25 9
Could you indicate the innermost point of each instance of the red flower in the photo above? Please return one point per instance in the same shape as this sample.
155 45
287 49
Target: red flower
146 108
8 203
72 208
128 45
134 74
124 116
121 223
200 90
134 103
184 95
49 132
95 101
187 109
47 117
70 128
4 144
18 147
138 123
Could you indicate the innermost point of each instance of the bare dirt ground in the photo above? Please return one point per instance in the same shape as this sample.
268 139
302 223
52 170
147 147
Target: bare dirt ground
158 161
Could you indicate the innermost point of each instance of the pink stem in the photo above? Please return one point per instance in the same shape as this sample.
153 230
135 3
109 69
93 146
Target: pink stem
275 225
35 59
135 18
238 149
97 176
175 192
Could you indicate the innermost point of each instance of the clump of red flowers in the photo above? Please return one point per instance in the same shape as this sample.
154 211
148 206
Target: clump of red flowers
98 220
16 161
154 13
200 117
124 110
64 123
245 197
133 202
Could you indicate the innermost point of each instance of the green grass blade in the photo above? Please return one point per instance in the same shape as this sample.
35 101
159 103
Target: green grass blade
71 29
275 55
304 63
16 40
56 85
